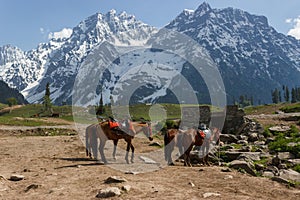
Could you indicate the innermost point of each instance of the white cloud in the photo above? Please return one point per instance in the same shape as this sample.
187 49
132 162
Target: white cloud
295 31
42 30
289 20
64 33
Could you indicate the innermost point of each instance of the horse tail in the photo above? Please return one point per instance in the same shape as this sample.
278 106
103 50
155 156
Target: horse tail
87 144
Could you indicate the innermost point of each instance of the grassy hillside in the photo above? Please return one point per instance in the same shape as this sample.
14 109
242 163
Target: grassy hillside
272 108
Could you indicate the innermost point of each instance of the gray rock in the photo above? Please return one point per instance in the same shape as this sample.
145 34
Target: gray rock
156 144
109 192
247 148
228 177
273 169
279 128
282 166
259 143
147 160
290 174
294 161
192 184
31 187
126 188
281 180
268 174
115 179
232 155
240 164
253 137
244 142
16 177
211 194
228 138
285 155
249 157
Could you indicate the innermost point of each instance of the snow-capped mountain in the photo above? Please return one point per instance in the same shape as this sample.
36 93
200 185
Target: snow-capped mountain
58 60
252 57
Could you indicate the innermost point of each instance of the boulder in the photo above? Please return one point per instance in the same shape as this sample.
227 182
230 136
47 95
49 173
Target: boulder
109 192
285 155
240 164
228 138
289 174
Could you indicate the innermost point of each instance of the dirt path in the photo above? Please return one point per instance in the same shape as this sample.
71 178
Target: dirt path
56 168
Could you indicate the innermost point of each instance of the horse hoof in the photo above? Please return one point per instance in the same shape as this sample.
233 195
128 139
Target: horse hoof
114 158
171 164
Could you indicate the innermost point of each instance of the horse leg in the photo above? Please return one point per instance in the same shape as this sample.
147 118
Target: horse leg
169 153
94 144
101 149
115 149
132 153
187 158
87 144
127 151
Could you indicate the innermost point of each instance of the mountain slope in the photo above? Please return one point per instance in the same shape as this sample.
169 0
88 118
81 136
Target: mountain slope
252 57
7 92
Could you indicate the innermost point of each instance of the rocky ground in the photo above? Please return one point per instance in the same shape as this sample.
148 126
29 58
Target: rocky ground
55 167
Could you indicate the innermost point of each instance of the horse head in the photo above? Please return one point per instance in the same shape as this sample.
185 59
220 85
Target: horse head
147 129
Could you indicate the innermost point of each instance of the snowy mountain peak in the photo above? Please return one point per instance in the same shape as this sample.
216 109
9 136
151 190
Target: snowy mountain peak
9 54
203 9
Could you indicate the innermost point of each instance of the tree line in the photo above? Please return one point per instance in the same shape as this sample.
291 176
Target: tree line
285 94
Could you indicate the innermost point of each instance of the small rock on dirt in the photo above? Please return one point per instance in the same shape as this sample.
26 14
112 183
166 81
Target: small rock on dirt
126 188
211 194
115 179
192 184
32 186
109 192
16 177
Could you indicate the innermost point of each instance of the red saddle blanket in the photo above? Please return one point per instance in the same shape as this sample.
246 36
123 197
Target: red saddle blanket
113 124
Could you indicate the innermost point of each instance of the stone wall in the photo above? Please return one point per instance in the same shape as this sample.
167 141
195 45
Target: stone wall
234 120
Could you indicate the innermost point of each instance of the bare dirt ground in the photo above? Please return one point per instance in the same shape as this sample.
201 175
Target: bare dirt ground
55 167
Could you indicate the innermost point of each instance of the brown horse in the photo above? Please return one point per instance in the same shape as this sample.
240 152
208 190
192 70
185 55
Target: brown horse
104 133
184 140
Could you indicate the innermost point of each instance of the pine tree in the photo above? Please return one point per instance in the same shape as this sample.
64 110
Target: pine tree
101 109
287 94
275 96
294 95
47 100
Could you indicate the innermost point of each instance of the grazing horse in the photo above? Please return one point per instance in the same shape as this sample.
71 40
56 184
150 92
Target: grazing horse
184 140
104 133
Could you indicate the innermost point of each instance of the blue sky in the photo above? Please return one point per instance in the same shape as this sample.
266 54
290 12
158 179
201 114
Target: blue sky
25 23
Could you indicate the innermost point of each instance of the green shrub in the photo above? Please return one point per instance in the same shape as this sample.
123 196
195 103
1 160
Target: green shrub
297 168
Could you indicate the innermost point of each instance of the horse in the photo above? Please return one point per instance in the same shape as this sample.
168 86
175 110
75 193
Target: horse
104 133
184 140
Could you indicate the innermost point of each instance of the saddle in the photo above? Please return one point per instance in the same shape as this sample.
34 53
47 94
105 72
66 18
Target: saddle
201 134
120 128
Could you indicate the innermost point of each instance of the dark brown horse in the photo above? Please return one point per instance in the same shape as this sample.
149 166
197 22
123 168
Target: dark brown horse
184 140
104 133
